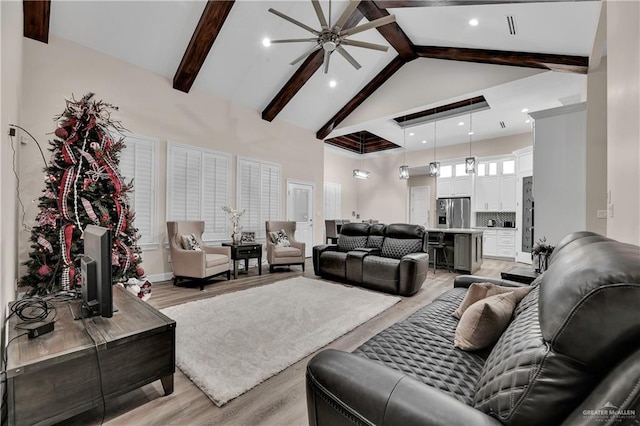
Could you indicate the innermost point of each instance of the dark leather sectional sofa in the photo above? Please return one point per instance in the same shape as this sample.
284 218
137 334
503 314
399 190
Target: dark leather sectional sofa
571 355
390 258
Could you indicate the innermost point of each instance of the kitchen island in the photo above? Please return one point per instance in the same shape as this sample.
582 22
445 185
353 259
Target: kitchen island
464 247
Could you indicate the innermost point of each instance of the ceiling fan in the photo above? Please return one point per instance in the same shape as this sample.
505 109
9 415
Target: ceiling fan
332 38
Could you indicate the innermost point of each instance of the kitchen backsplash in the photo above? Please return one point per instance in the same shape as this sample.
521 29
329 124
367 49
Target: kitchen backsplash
482 218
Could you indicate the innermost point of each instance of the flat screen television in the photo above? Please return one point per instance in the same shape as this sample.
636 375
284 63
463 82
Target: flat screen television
95 267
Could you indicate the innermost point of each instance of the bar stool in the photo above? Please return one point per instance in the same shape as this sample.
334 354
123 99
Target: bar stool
439 246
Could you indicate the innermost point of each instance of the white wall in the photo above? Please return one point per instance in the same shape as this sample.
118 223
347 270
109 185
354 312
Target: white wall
623 117
11 70
559 171
149 106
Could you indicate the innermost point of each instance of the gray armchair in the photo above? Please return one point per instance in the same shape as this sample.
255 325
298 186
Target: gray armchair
195 264
284 256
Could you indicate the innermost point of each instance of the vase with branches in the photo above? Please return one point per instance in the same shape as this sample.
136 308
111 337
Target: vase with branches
234 217
540 253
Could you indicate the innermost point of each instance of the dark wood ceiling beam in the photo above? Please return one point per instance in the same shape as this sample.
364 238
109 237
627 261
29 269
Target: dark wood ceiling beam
390 4
361 96
209 26
301 76
566 63
391 32
36 19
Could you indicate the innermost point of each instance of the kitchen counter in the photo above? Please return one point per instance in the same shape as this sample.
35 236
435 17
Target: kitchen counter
464 246
454 230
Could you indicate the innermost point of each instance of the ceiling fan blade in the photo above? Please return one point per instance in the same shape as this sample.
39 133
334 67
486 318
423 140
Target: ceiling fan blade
364 44
320 14
327 56
305 54
351 7
293 21
373 24
348 57
293 40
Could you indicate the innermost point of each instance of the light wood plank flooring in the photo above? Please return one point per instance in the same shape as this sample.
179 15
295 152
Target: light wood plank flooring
279 400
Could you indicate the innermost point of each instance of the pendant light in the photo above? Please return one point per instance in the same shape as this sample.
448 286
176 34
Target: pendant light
404 169
434 166
470 161
361 173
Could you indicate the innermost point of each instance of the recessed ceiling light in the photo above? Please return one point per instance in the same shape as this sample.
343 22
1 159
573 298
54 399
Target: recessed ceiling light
266 42
424 141
332 83
461 123
411 134
473 22
470 133
525 110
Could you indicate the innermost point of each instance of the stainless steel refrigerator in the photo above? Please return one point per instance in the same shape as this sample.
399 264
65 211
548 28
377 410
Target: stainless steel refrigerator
454 212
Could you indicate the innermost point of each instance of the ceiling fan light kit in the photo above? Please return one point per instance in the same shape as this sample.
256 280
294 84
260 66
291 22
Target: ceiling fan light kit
332 38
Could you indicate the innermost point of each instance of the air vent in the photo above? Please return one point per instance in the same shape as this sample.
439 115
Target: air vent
502 124
511 23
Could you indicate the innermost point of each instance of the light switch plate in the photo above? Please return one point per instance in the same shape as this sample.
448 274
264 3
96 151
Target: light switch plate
601 214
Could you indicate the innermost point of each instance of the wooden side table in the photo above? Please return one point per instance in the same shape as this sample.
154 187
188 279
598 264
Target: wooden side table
245 251
520 275
56 375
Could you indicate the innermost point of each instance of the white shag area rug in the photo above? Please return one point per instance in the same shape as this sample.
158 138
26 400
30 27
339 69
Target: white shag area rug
230 343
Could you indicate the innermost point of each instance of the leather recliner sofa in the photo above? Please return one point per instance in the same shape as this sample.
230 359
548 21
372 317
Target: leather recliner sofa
390 258
570 355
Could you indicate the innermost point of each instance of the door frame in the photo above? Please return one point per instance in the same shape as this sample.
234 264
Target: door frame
411 188
311 213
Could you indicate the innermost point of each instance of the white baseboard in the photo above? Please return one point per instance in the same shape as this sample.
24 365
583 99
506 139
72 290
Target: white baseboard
166 276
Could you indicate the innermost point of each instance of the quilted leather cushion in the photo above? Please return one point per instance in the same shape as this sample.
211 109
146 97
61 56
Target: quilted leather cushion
333 263
398 247
523 382
375 241
437 316
427 357
350 242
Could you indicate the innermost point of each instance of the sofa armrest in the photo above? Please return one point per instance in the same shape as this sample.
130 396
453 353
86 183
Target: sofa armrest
317 251
345 389
466 280
413 273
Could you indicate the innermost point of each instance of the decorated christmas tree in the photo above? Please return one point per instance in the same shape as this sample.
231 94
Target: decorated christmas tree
83 186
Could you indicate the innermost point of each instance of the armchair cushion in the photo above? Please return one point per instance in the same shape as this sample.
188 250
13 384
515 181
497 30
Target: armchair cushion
287 252
280 238
216 259
190 242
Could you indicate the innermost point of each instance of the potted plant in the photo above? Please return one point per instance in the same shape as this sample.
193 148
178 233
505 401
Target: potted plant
540 254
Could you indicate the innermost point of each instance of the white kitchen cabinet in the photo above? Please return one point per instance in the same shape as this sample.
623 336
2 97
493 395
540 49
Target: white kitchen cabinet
490 243
487 194
508 193
506 243
461 186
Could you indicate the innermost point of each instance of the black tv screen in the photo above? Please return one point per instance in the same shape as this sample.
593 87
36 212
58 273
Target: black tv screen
96 271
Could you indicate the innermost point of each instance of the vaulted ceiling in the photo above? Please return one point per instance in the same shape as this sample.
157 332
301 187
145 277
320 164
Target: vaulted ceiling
522 54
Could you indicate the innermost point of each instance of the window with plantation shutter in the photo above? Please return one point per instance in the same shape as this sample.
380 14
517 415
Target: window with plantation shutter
332 194
258 194
198 188
138 162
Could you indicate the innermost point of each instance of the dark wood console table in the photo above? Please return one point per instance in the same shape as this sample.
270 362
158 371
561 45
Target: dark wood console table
55 376
520 274
245 251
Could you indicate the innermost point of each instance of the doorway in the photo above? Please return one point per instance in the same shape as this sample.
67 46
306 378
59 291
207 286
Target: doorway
300 210
420 205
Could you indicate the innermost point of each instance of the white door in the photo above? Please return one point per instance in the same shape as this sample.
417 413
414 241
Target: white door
420 205
300 209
